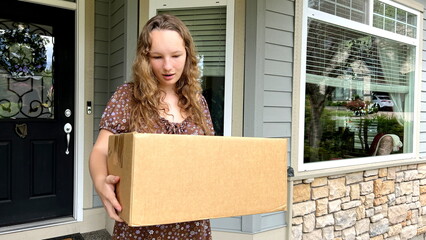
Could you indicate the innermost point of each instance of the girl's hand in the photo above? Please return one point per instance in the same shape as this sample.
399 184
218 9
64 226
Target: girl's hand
106 192
104 183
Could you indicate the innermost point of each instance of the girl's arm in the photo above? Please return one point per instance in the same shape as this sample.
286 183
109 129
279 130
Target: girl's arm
104 183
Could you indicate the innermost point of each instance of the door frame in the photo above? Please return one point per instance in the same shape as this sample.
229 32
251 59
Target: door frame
80 110
79 124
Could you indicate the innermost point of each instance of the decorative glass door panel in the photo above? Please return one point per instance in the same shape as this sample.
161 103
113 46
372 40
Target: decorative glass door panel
26 73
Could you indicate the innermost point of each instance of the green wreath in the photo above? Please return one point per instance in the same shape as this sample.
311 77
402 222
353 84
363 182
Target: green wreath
22 53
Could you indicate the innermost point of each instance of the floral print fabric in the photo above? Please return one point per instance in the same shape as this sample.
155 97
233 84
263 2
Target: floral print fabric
197 230
117 115
116 119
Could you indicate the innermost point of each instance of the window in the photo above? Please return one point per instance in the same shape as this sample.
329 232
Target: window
359 81
211 29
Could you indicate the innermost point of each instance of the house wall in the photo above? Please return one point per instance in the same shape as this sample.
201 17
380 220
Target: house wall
101 62
109 58
278 72
422 144
268 80
385 203
378 203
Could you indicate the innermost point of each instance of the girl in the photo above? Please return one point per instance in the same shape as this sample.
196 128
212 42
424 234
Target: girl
164 97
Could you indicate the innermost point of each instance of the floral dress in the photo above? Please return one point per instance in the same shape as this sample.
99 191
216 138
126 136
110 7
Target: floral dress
116 119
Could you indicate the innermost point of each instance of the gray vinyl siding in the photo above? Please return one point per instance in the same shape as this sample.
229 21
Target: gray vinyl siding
268 84
101 89
279 28
117 72
422 144
109 57
277 86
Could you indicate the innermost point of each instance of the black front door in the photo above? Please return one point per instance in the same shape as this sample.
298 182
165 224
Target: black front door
37 76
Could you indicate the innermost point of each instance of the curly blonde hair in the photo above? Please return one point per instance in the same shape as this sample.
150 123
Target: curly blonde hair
147 97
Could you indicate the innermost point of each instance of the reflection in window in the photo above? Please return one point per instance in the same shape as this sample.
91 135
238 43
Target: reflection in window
358 87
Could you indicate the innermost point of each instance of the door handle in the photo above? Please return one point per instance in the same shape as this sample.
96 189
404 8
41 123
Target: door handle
67 130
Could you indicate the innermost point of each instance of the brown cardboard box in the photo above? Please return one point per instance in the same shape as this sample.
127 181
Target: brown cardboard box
177 178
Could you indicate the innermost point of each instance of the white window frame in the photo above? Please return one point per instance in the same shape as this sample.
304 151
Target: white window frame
366 28
155 5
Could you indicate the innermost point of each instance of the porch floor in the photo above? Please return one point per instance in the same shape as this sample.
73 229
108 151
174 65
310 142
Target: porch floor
96 235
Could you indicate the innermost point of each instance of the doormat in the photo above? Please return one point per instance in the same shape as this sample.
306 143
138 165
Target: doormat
68 237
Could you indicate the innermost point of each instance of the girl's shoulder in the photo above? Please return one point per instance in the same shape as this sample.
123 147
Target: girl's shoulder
125 87
202 99
124 91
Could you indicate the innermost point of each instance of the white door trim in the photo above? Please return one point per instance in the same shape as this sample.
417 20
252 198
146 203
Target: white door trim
79 111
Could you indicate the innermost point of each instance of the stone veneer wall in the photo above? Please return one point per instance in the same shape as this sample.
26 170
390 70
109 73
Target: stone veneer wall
387 203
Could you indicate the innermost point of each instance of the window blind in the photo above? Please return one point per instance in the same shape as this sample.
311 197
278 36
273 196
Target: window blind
339 57
208 29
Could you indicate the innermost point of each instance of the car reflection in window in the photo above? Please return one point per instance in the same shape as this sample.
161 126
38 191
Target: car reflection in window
384 102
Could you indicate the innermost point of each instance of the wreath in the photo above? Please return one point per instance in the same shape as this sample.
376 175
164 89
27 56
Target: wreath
22 53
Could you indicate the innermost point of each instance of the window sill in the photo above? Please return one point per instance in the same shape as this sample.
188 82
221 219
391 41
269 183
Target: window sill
299 175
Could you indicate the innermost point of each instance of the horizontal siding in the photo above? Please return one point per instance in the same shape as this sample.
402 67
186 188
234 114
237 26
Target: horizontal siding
101 60
116 71
423 138
101 70
423 97
102 20
117 54
277 99
422 144
116 5
116 58
278 37
117 31
278 52
280 6
277 82
116 45
101 85
422 127
109 58
101 33
101 47
116 82
102 97
279 21
101 73
277 130
278 68
102 7
277 114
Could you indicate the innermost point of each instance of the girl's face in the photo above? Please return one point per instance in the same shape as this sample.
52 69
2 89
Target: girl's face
167 57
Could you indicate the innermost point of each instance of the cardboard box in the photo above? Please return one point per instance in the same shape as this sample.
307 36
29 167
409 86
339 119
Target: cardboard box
177 178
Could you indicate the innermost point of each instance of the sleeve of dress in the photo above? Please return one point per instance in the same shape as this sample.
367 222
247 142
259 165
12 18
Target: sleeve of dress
116 115
207 115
